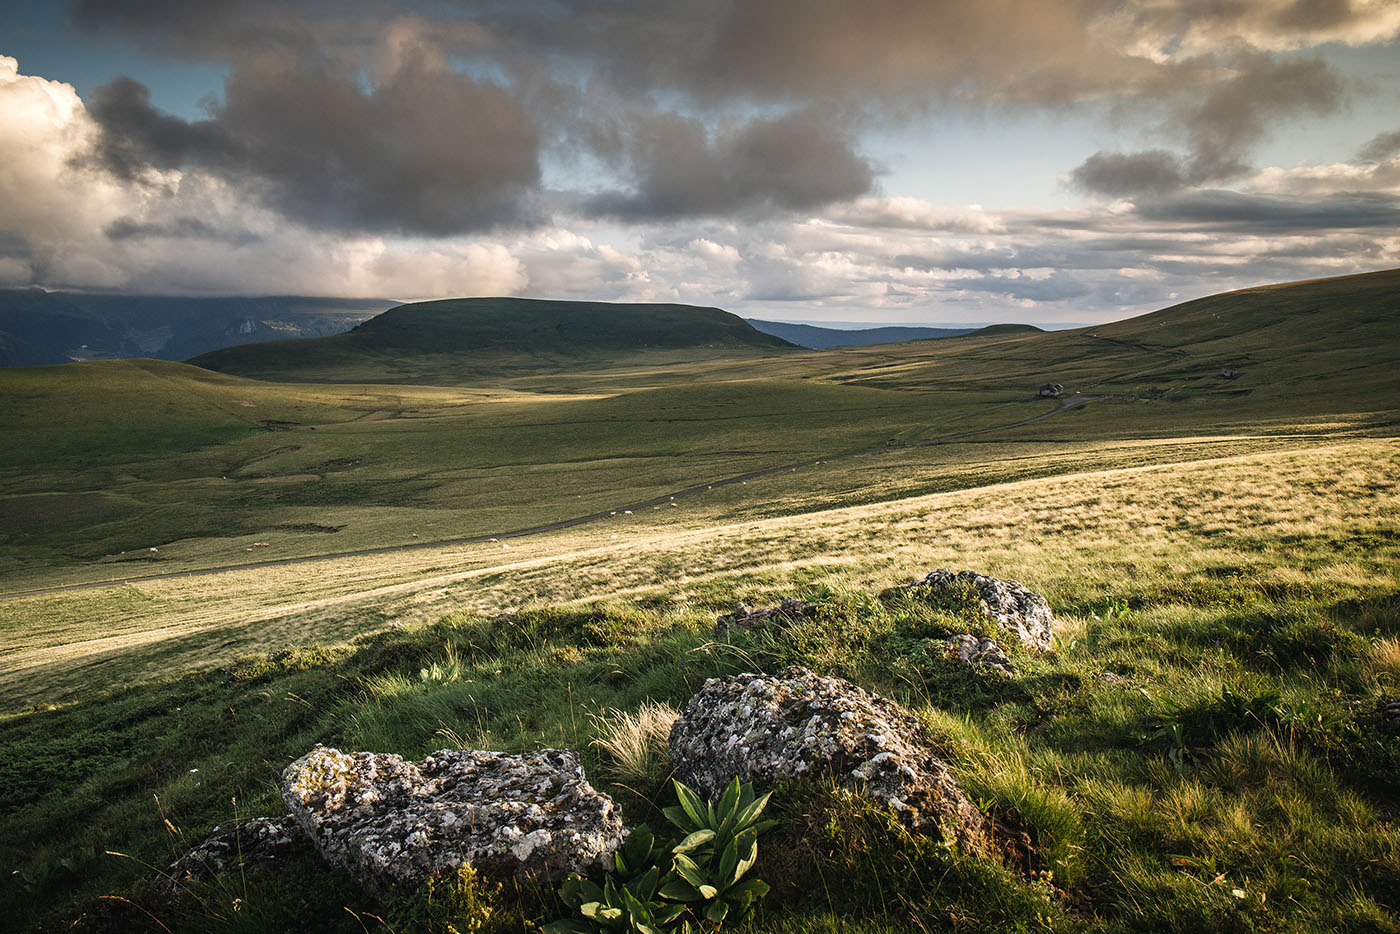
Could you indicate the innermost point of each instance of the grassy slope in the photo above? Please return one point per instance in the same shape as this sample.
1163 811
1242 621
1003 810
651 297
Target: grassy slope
1178 581
460 340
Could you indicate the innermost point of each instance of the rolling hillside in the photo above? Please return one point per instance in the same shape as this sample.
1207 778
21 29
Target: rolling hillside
1320 345
458 340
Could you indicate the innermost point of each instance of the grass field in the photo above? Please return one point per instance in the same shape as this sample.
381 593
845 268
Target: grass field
1204 750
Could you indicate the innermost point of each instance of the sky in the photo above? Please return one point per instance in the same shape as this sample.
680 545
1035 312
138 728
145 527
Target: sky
1053 162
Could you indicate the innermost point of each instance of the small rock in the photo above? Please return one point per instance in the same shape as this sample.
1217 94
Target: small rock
242 846
392 823
797 725
1007 603
1390 712
984 653
744 618
1111 677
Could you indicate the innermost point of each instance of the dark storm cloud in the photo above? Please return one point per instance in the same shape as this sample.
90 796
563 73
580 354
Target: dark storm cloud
427 150
797 161
1122 175
1381 147
136 136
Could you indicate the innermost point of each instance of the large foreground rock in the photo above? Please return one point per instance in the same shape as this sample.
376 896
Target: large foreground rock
1007 603
798 725
392 823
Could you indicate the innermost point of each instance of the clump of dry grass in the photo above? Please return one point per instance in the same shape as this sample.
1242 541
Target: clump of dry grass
636 743
1384 663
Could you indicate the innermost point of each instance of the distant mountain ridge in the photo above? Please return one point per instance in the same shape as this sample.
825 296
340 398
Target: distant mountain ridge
460 338
39 328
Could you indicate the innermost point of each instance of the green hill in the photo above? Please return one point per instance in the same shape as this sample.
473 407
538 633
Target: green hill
457 340
1322 345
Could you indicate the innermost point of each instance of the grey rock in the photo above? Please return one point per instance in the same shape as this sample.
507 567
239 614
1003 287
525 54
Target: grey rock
797 725
1005 602
392 823
1390 712
744 618
240 846
979 652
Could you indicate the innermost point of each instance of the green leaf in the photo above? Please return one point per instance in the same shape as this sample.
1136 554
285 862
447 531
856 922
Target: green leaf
748 855
693 840
578 891
679 890
634 853
717 911
708 891
694 807
668 914
728 805
680 817
756 888
728 862
750 813
644 886
687 869
568 926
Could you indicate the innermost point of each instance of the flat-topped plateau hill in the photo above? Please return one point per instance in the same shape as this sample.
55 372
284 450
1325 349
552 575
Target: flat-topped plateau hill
464 339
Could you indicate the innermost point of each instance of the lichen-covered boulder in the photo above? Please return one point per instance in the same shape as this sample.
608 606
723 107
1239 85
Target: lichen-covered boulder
1007 603
798 725
392 823
743 617
240 846
978 652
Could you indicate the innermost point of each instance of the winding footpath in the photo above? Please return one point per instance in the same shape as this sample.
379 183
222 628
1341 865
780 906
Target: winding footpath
1071 402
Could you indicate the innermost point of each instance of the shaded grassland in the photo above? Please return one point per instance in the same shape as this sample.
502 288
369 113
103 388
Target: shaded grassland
1202 751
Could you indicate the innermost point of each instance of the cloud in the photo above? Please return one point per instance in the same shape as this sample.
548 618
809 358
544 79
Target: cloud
1242 211
177 228
1381 147
1122 175
1219 129
425 150
797 161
